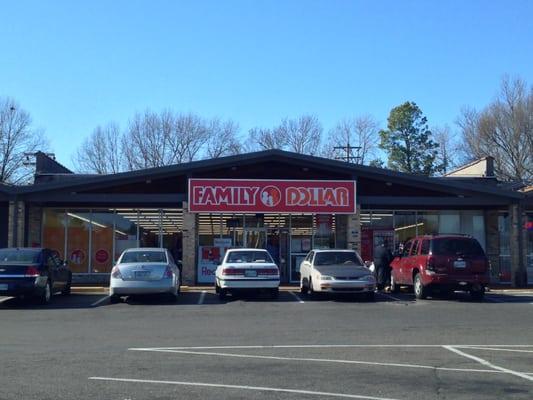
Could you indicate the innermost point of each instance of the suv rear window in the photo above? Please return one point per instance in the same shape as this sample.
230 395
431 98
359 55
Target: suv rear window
455 246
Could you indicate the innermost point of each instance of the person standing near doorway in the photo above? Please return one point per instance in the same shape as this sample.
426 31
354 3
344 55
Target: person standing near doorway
382 259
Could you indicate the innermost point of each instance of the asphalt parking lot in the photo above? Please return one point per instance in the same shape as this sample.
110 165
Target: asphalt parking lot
81 346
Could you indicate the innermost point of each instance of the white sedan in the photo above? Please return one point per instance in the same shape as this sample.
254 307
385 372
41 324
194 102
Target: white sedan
243 269
144 270
336 271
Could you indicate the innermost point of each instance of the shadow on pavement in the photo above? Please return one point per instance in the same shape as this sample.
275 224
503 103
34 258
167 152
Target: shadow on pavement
72 301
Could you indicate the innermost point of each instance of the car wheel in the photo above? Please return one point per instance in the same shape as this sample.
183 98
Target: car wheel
46 296
421 292
303 288
394 287
312 292
67 288
274 293
477 295
222 293
114 299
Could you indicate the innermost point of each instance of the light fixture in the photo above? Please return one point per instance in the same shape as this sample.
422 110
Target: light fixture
86 220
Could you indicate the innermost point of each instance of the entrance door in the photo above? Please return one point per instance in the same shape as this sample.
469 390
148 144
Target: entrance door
276 242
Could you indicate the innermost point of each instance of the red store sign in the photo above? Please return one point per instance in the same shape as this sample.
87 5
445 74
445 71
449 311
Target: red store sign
271 196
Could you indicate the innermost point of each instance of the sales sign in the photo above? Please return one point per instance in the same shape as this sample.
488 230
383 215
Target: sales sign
271 196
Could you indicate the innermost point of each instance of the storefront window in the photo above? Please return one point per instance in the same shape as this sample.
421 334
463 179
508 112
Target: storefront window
125 230
504 230
78 229
377 227
324 229
301 242
53 232
102 241
405 226
428 223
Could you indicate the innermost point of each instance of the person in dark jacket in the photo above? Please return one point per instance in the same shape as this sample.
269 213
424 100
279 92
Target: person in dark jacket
382 259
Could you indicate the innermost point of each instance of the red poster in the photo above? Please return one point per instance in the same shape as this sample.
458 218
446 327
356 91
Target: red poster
271 196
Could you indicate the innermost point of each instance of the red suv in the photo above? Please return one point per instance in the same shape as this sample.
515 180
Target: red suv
442 262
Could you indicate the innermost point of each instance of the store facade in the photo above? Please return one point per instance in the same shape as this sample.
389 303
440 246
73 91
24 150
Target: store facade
284 202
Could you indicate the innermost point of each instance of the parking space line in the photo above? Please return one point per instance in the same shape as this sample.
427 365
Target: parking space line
243 387
489 364
96 303
202 297
494 349
321 360
298 299
326 346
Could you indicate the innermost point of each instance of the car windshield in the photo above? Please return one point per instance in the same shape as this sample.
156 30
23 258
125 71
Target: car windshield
19 256
249 257
144 256
337 257
452 246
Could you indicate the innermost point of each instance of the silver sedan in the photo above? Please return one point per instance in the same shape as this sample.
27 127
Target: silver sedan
144 270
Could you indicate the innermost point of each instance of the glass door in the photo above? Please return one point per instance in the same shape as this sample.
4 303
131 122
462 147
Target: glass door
255 238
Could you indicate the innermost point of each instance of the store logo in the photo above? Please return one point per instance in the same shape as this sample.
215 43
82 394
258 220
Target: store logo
270 196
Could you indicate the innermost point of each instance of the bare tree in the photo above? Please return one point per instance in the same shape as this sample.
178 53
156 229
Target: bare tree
362 131
503 130
101 152
266 139
448 147
144 142
189 137
302 134
222 138
17 136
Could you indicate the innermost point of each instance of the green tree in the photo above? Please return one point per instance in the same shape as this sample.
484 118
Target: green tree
408 141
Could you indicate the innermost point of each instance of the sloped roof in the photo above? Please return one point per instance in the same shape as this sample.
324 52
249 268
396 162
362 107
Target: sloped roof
79 182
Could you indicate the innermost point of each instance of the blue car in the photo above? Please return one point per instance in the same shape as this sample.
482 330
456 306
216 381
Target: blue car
33 273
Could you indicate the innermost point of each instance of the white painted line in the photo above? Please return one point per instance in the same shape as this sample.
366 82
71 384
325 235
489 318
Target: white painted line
202 297
490 365
298 299
256 388
320 360
493 349
326 346
100 301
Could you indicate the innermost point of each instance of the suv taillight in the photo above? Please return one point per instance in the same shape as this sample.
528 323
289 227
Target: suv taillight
232 271
430 264
31 272
115 273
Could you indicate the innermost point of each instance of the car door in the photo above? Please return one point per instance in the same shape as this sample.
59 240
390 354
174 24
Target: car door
53 270
305 266
405 263
63 270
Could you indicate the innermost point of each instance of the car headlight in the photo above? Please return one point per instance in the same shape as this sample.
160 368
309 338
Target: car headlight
368 278
326 278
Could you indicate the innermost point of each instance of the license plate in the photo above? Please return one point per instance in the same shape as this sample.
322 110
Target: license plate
250 273
4 286
142 274
459 264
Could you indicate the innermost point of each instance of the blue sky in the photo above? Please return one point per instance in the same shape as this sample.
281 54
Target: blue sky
74 65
